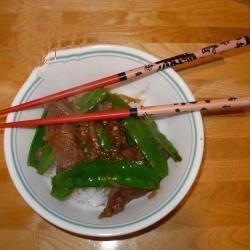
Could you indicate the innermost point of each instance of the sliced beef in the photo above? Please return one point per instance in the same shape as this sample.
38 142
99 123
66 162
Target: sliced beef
131 153
110 154
113 128
63 138
118 198
87 134
58 108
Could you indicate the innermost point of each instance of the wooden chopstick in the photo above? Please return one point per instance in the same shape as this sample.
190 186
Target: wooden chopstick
167 109
134 73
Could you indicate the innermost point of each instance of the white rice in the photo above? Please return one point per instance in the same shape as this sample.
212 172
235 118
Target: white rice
89 197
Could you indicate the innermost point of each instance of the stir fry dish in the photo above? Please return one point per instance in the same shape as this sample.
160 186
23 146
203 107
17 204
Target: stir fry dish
129 156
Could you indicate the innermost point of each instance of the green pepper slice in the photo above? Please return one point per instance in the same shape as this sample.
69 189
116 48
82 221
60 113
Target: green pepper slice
40 154
103 136
102 173
147 144
90 100
46 159
162 139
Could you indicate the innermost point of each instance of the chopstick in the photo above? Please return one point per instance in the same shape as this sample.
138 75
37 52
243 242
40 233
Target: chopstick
134 73
167 109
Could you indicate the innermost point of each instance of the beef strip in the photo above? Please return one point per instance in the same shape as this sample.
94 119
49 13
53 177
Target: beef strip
63 138
118 198
113 128
87 134
58 108
131 153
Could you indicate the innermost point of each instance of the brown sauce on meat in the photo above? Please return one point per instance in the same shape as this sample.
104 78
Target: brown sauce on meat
63 138
118 198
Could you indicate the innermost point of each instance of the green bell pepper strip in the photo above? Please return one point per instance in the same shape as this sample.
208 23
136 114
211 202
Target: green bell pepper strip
46 159
40 154
141 135
102 173
90 100
162 139
36 144
103 136
147 144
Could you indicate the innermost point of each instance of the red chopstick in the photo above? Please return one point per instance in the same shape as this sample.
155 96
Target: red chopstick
176 108
134 73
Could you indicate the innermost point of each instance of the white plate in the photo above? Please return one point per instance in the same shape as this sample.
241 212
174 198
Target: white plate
76 66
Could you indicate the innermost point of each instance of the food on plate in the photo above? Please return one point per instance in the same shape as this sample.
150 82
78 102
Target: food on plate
129 156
